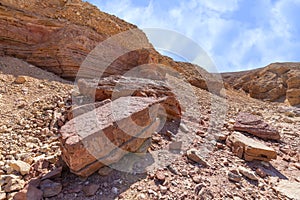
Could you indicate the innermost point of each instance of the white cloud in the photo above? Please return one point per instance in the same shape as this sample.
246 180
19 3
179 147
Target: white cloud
235 35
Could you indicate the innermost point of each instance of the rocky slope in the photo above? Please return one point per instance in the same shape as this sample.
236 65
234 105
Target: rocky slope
33 107
58 35
205 146
275 82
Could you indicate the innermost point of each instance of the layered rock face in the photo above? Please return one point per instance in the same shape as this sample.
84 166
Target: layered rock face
256 126
277 81
58 35
114 87
103 136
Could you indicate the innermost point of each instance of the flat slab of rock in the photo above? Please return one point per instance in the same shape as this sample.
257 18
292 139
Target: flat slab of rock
249 149
103 136
289 189
256 126
113 87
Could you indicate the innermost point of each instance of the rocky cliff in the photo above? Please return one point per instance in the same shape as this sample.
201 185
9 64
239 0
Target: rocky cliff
275 82
58 35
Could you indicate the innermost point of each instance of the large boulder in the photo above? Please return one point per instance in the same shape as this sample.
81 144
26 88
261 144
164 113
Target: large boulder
103 136
256 126
249 149
114 87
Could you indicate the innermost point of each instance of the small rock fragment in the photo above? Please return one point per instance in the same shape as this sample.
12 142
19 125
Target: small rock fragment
20 166
20 80
104 171
234 176
115 190
53 174
29 193
220 137
249 174
196 178
163 189
194 155
90 190
14 185
2 195
259 171
160 175
50 188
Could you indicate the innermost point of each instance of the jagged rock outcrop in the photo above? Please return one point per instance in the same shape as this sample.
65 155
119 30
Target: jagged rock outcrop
103 136
256 126
277 81
58 35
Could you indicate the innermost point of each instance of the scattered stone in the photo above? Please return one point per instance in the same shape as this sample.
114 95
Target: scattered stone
195 155
197 179
173 169
247 173
184 172
142 196
56 173
14 185
115 190
50 188
183 127
256 126
259 171
249 149
289 189
199 188
220 137
220 145
175 146
90 190
3 129
2 196
234 176
297 165
29 193
163 189
20 166
104 171
20 80
160 175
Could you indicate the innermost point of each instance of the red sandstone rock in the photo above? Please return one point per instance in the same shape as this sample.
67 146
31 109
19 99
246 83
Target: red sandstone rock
114 87
249 149
256 126
103 136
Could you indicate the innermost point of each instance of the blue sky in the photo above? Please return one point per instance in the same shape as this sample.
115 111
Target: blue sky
236 34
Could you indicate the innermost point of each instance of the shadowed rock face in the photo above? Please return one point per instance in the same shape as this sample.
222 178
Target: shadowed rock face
277 81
